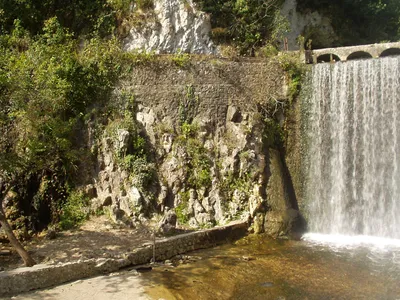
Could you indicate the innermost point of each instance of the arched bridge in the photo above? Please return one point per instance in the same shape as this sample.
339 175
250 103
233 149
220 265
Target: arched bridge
352 52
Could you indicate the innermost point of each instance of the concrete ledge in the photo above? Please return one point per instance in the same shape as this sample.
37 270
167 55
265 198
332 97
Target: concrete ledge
42 276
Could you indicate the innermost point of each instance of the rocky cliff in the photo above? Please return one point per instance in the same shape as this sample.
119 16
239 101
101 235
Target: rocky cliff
207 157
172 26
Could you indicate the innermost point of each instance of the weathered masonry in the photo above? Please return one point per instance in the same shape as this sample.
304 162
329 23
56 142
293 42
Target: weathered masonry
353 52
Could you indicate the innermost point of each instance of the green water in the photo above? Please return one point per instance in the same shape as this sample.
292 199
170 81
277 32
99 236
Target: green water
261 268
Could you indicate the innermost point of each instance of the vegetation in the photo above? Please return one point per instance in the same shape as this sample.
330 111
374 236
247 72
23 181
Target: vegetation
75 210
181 59
198 165
245 24
60 62
233 182
135 157
47 86
181 209
360 21
295 70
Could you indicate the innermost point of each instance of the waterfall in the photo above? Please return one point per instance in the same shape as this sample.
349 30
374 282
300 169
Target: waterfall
353 138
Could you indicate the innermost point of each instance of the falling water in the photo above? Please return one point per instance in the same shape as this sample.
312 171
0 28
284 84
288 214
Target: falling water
353 181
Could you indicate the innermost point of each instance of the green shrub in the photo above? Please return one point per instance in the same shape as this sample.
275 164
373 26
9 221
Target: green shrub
75 211
181 59
246 25
181 208
47 85
198 165
145 4
295 71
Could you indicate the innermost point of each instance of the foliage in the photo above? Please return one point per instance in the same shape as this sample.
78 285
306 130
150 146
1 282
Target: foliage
273 134
145 4
80 17
232 182
295 71
141 57
46 87
268 51
135 159
198 164
359 21
188 107
181 59
247 24
181 208
75 210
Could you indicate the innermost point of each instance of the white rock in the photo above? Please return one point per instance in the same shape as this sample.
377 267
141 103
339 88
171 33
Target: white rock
299 22
179 26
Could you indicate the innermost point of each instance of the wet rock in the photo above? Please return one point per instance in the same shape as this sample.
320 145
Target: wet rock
284 223
144 269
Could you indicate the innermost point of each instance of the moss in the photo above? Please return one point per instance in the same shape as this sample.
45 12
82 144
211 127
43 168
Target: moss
181 59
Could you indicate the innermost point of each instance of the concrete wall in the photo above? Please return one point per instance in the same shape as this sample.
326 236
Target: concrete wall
42 276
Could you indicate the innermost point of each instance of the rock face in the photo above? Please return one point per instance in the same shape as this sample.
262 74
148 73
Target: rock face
177 27
206 138
310 25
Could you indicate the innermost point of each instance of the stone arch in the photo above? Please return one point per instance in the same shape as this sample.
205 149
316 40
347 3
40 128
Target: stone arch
390 52
328 57
359 55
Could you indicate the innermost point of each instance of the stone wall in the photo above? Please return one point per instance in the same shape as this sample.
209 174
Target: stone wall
42 276
204 123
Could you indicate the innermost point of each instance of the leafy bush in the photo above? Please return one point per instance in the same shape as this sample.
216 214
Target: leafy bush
358 22
181 59
198 165
75 211
295 71
145 4
47 86
181 208
245 24
80 17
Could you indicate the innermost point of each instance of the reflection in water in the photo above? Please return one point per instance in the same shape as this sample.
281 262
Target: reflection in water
280 269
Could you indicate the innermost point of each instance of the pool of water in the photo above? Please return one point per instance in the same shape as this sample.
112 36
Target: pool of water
261 268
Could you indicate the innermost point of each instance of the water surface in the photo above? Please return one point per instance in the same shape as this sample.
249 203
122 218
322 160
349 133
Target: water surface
261 268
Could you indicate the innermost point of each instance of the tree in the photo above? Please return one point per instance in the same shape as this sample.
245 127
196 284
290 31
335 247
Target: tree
359 21
47 85
4 189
